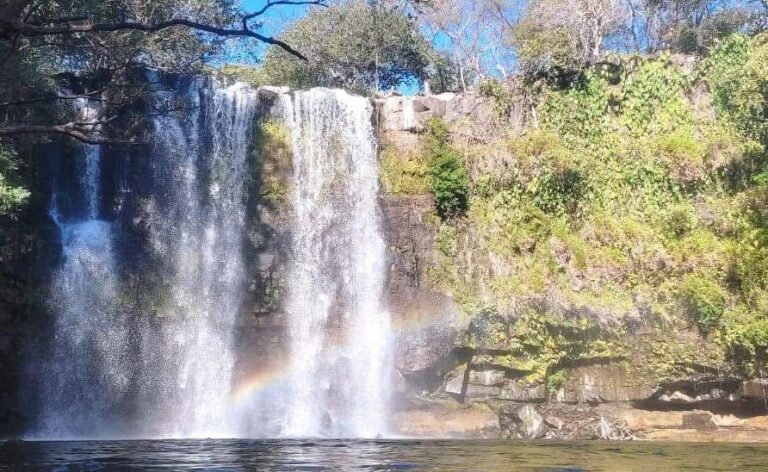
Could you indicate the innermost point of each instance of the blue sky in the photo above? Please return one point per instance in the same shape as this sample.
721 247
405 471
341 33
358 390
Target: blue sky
275 20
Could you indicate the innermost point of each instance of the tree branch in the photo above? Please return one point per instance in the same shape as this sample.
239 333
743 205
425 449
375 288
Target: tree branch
272 3
52 98
69 129
33 30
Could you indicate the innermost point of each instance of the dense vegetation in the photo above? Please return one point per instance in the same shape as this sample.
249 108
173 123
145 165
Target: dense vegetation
632 200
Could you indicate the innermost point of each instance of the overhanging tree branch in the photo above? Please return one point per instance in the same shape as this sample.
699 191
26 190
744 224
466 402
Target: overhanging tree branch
29 28
84 24
271 3
71 130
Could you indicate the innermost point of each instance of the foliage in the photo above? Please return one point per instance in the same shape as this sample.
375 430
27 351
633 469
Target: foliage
550 36
12 193
549 342
502 97
746 336
355 45
444 74
580 113
737 73
623 206
448 178
242 73
652 86
404 172
542 49
704 300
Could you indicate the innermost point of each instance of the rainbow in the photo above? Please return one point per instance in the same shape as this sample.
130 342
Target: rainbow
271 376
256 382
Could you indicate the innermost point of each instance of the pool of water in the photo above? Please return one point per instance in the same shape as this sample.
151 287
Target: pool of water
380 455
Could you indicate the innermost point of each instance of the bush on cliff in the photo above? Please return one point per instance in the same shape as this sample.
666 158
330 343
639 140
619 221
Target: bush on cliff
448 178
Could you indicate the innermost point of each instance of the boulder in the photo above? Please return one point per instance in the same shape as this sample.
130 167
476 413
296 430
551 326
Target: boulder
397 113
554 422
455 383
522 391
521 422
699 420
754 389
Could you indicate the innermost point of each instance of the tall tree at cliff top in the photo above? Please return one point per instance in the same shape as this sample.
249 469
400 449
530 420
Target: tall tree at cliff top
690 26
357 45
472 33
552 35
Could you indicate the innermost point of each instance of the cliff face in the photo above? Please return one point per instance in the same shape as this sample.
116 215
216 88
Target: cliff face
549 336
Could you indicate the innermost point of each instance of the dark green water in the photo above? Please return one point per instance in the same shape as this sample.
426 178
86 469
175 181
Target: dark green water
349 455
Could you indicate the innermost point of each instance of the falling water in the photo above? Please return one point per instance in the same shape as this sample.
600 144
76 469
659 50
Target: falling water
91 175
198 228
120 370
85 379
160 363
338 330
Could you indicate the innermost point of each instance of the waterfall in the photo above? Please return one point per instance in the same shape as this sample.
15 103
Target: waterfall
199 224
118 369
147 299
339 333
88 373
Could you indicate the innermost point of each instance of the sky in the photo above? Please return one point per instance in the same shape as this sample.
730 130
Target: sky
274 19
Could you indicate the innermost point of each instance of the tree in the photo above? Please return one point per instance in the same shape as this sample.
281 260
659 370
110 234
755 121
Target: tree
54 52
357 45
474 31
573 35
688 26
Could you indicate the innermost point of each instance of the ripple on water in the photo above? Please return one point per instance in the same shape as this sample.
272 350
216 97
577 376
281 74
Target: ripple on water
352 455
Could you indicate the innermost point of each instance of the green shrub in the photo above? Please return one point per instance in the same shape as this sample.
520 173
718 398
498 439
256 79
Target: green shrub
680 221
737 73
655 84
448 177
12 194
746 338
404 172
579 114
502 98
704 300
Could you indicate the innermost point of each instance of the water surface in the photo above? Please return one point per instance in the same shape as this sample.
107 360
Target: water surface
383 455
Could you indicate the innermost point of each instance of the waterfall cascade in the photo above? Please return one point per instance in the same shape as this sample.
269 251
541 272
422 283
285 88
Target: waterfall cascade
118 368
85 379
197 228
339 332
